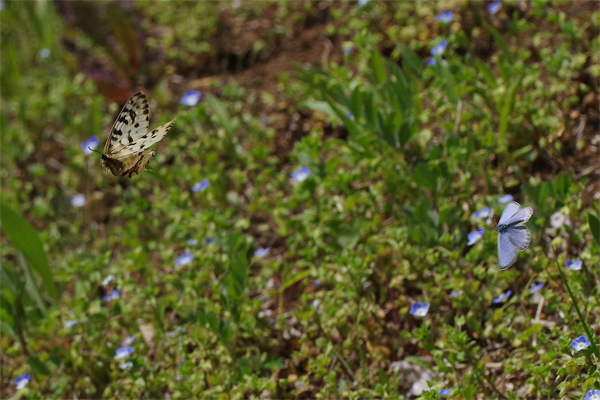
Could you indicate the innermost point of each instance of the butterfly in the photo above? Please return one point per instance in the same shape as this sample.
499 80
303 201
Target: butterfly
126 152
512 234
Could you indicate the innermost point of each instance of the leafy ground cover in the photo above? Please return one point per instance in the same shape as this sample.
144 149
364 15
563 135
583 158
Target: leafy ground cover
319 222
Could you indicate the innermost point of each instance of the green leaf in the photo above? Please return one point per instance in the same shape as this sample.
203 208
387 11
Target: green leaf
38 366
504 114
501 44
26 240
378 67
426 176
294 278
594 227
220 113
486 73
562 185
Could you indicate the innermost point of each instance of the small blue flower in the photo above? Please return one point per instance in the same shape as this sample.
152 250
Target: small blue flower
200 186
444 17
112 295
70 323
125 365
494 7
431 62
347 51
89 145
506 198
580 343
184 259
592 395
301 174
77 200
574 265
190 98
363 2
262 252
128 341
444 392
123 352
439 49
502 298
475 236
455 293
419 309
22 380
535 287
108 279
316 303
192 242
44 53
483 213
208 241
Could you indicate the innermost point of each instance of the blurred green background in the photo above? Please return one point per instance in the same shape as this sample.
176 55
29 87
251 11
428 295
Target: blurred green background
327 165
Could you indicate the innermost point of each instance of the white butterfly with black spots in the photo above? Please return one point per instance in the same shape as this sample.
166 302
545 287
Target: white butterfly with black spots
126 152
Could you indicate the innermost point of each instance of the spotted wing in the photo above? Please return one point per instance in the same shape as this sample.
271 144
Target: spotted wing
131 124
143 142
135 163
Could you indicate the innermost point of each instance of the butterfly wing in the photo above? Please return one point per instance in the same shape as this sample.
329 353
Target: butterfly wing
511 209
135 163
519 236
520 217
146 140
131 124
507 253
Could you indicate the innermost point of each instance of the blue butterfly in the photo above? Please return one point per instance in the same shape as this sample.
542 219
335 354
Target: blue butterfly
512 234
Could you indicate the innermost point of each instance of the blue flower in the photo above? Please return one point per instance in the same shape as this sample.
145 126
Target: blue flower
89 145
444 392
112 295
431 62
301 174
574 265
419 309
184 259
444 17
22 380
128 341
592 395
502 298
125 365
347 51
262 252
475 236
208 241
580 343
316 303
123 352
107 280
70 323
483 213
200 186
44 53
535 287
77 200
190 98
455 293
506 198
363 2
439 49
192 242
494 7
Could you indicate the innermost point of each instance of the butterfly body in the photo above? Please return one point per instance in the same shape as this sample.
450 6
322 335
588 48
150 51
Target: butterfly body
126 151
512 234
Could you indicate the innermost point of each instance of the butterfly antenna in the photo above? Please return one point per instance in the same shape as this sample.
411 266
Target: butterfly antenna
89 148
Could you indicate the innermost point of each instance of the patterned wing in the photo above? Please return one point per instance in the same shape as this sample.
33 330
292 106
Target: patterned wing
131 124
520 217
143 142
519 236
135 163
